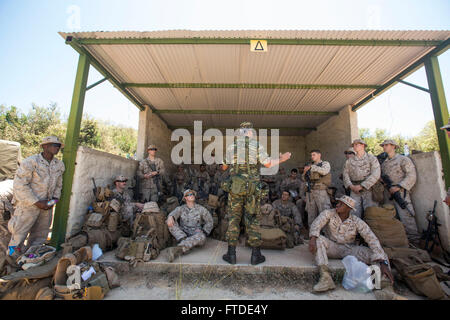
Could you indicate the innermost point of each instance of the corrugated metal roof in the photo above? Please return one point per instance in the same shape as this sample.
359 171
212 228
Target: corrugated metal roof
235 64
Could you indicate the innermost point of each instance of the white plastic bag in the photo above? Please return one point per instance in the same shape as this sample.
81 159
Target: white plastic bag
96 252
357 275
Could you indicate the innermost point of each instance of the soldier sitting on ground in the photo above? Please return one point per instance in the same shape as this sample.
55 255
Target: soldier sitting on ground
195 223
129 208
341 227
288 209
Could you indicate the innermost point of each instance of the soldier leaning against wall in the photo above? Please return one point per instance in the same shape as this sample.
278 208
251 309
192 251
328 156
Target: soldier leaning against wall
38 181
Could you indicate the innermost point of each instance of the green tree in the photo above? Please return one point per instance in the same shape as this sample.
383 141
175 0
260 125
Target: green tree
89 133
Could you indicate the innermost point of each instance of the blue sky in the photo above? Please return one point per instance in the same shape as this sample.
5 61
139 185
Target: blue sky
36 66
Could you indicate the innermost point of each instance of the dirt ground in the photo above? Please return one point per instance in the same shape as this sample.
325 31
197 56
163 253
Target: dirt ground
151 286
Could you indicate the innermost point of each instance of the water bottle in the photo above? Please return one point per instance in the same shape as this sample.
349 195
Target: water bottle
51 202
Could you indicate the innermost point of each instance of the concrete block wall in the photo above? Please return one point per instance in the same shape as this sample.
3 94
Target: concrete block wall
101 166
332 138
430 186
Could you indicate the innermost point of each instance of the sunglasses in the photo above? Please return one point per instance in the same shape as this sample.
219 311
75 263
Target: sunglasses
57 145
121 180
153 149
189 194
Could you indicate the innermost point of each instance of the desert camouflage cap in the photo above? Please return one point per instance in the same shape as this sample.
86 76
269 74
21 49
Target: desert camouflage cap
389 141
350 150
120 178
151 206
358 141
348 201
152 146
246 125
51 139
447 126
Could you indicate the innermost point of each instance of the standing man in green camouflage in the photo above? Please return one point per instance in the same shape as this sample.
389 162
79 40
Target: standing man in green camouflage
245 155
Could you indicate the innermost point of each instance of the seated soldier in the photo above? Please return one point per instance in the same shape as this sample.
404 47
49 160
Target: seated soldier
341 228
195 224
296 188
289 209
128 208
202 182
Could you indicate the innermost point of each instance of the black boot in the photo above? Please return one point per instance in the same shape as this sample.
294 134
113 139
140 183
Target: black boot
257 257
230 256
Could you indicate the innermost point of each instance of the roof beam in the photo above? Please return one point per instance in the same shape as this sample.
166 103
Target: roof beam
409 70
246 41
248 112
252 86
257 128
97 65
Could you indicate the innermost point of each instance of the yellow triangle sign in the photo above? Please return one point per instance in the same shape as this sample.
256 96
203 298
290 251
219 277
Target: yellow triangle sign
258 45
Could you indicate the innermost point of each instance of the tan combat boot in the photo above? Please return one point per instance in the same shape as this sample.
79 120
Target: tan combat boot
174 252
325 282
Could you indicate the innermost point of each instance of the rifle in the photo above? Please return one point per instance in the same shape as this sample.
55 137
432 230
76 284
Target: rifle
95 188
432 235
308 176
396 196
156 177
382 157
136 191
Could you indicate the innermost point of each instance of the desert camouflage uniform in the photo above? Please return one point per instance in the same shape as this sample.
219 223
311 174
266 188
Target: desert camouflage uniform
6 210
364 171
195 224
288 209
402 172
128 209
35 180
149 189
204 176
299 186
212 169
339 239
252 154
318 199
220 177
279 178
178 188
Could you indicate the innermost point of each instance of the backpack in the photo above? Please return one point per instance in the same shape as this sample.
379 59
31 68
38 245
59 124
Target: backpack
271 235
420 277
389 231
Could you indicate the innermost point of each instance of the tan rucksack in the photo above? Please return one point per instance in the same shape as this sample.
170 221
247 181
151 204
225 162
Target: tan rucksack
152 224
420 277
389 231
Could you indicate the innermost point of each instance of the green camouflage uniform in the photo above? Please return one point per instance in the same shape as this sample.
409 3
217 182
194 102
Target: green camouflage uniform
245 174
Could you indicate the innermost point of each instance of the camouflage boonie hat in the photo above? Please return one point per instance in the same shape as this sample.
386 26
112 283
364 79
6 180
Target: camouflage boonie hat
51 139
151 206
348 201
246 125
447 126
349 150
389 141
358 141
120 178
152 146
189 190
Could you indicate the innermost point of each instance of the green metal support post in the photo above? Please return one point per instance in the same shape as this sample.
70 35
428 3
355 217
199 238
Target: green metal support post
440 112
70 151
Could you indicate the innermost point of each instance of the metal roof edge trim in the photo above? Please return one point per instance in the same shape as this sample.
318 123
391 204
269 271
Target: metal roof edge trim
443 47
